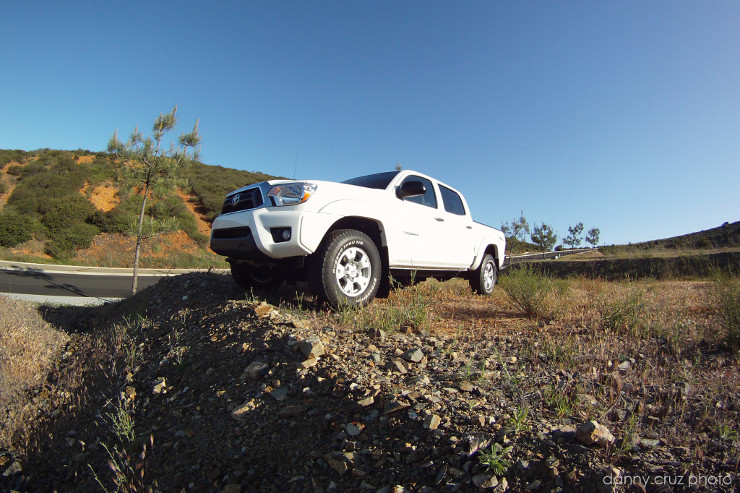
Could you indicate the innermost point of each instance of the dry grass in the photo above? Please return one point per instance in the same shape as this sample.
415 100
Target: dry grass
683 374
28 346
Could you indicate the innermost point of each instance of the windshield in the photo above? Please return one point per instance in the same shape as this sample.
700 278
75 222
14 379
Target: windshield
378 180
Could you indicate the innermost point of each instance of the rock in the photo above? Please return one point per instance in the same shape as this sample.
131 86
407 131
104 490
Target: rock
413 355
263 310
502 486
354 429
587 399
648 443
240 412
337 463
367 401
397 366
485 481
592 432
280 394
160 385
376 334
311 346
394 407
256 369
232 488
466 386
624 366
310 362
432 422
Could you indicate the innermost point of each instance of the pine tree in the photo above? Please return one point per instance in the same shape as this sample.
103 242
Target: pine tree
149 169
544 237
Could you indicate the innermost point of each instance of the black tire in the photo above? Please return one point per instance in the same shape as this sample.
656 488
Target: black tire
251 278
484 278
346 269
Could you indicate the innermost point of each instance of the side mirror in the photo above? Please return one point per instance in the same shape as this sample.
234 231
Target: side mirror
411 189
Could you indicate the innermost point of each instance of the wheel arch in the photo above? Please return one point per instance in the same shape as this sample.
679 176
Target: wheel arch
491 249
374 229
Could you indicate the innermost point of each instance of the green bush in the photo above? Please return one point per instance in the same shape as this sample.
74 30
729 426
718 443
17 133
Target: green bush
7 156
14 170
63 212
113 221
65 241
13 228
528 290
3 187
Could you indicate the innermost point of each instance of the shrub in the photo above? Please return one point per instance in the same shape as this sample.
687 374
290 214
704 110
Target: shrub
528 290
14 170
64 212
7 156
65 241
13 228
3 188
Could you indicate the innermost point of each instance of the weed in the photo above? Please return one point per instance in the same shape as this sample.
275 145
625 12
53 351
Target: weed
557 400
122 423
519 419
629 436
529 291
123 339
127 472
726 432
495 459
726 298
624 314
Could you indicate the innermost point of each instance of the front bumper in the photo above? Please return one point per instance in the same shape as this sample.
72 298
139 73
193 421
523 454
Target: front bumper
249 235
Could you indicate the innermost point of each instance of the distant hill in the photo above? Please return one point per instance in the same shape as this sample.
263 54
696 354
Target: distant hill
68 206
721 237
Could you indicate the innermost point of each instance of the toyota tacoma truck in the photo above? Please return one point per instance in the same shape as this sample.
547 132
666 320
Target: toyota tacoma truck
347 239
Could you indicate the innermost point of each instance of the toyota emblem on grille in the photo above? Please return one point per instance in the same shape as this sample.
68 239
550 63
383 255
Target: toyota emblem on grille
235 200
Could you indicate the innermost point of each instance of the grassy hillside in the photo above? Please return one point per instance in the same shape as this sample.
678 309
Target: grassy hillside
54 205
722 237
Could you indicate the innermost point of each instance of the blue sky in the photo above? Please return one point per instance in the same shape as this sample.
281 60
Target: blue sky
621 115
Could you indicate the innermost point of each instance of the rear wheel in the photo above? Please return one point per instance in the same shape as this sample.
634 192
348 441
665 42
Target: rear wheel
248 277
484 278
346 269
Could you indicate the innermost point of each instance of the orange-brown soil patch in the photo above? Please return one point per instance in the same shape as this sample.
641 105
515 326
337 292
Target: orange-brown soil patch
104 197
85 159
204 227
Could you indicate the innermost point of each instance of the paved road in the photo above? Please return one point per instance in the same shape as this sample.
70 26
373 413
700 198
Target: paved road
64 283
68 281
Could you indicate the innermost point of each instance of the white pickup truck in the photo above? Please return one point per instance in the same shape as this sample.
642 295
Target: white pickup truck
346 239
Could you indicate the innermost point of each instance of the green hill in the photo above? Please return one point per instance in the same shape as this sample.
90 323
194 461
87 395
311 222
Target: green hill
54 204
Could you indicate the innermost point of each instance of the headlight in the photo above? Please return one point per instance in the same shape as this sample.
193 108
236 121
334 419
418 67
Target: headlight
291 193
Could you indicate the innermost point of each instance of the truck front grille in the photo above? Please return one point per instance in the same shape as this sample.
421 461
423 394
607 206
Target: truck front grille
231 233
242 201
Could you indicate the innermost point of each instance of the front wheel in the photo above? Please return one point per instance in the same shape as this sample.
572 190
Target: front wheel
346 269
483 279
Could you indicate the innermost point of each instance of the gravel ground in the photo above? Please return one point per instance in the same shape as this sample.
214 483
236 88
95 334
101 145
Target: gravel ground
191 387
